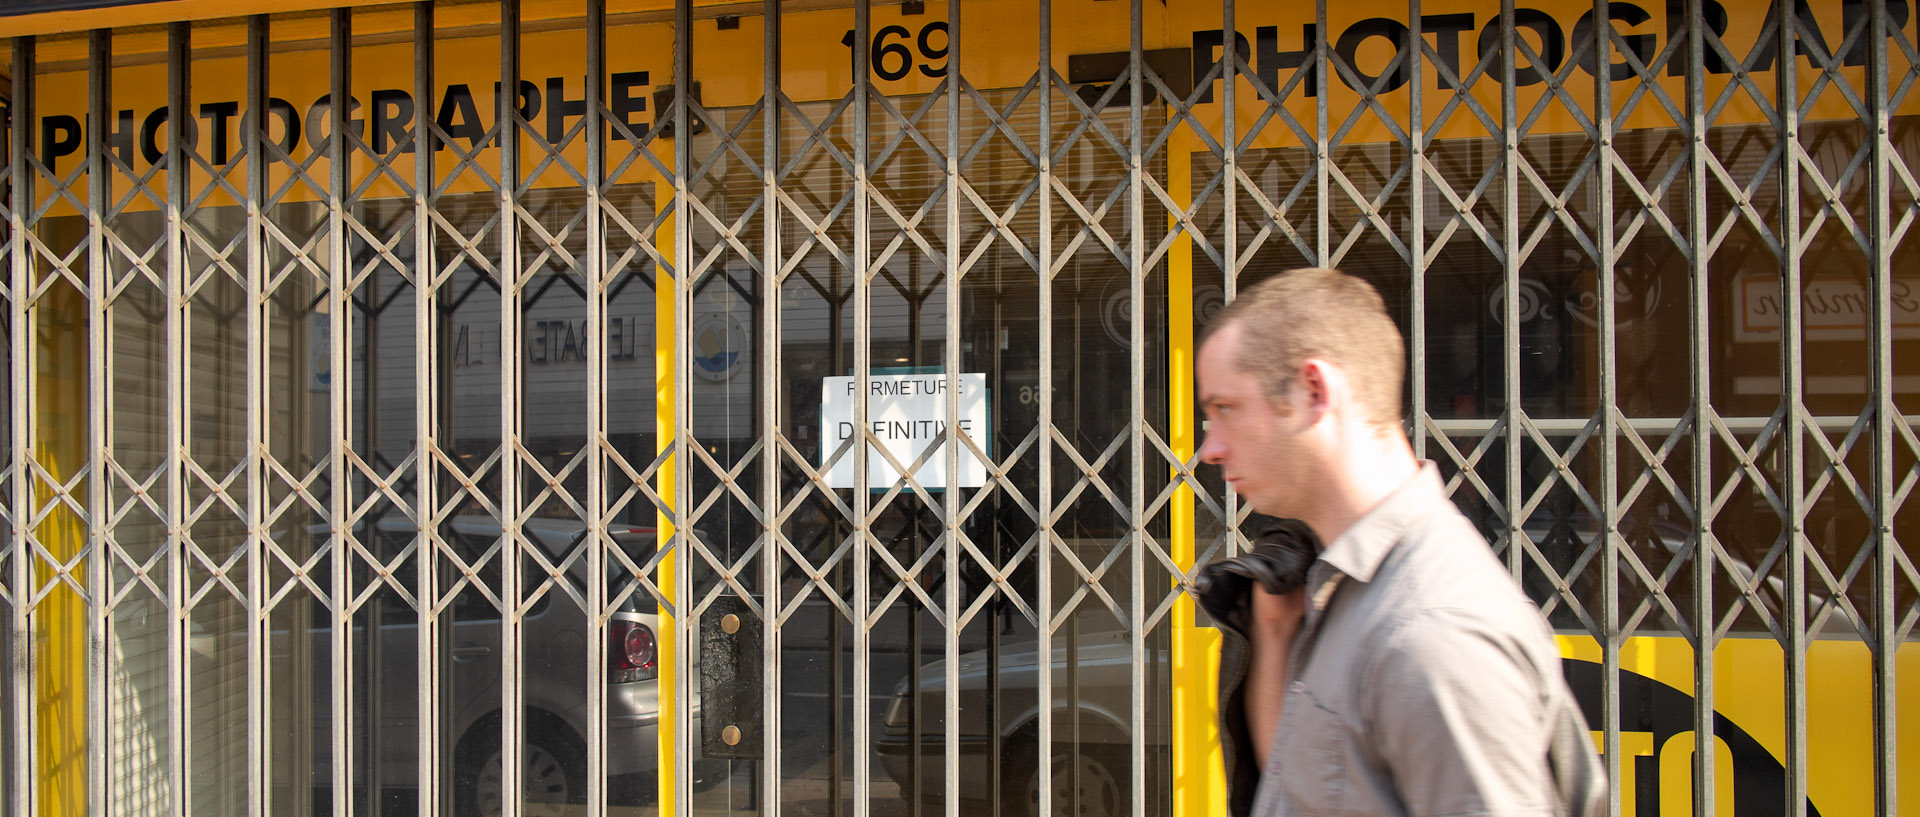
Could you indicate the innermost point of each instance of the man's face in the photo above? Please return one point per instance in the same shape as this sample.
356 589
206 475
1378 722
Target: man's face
1256 443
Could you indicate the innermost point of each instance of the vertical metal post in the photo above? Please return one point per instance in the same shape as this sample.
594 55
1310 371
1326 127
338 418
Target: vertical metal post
684 272
1230 139
771 376
1793 427
179 47
1417 242
99 200
596 504
1230 280
507 120
1136 541
253 141
1322 150
1700 486
862 372
1043 555
22 796
1879 219
1514 496
950 498
1611 541
340 38
427 401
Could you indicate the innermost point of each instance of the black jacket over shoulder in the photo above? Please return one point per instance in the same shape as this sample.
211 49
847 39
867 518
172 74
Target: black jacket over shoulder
1282 551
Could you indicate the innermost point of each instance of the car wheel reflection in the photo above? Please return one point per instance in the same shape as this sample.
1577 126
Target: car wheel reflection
1090 751
552 779
1085 784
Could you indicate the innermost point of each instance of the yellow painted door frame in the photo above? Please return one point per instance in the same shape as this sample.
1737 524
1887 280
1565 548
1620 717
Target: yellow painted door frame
1199 783
59 649
666 417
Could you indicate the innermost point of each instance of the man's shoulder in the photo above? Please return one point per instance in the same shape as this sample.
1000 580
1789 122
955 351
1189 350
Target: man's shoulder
1452 616
1443 582
1445 560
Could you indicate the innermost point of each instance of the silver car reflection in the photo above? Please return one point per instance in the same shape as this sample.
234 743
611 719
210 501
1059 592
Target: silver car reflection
1091 753
553 679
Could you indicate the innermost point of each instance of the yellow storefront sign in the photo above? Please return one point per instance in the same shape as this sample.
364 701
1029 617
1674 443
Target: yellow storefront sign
1460 39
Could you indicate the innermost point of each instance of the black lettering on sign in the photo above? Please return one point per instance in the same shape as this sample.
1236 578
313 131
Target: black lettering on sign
1642 46
1810 43
1263 57
892 60
392 114
1446 30
1853 13
623 102
120 137
289 124
1646 705
60 135
150 135
320 128
1348 48
1269 60
559 107
1548 56
1630 41
528 104
217 114
1207 54
458 101
1715 16
389 125
927 50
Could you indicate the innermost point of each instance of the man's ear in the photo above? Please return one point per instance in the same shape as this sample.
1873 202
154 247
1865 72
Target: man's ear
1317 386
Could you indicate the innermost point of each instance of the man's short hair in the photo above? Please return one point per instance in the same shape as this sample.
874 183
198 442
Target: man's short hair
1325 314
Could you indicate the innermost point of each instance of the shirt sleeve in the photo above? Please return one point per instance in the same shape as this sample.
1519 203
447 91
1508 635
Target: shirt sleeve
1455 713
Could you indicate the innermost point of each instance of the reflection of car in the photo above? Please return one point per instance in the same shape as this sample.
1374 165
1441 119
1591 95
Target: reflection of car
554 685
1095 769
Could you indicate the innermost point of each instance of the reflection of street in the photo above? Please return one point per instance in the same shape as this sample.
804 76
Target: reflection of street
808 785
807 792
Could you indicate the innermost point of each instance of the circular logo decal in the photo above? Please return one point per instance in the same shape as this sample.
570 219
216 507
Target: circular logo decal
721 345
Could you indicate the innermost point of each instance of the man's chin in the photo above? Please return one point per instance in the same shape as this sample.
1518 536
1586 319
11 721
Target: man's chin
1265 506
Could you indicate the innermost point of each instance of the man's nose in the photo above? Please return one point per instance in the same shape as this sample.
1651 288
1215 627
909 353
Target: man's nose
1211 451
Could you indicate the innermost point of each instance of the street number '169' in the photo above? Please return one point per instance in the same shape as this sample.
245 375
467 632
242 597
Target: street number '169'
892 60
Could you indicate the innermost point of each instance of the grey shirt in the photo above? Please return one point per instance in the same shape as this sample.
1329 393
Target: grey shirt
1423 683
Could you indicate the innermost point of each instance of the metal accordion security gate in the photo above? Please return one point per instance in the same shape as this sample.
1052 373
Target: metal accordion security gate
645 407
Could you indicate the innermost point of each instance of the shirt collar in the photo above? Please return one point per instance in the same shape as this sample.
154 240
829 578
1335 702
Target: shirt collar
1359 551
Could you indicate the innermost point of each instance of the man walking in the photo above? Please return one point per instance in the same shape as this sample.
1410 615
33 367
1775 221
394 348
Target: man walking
1410 676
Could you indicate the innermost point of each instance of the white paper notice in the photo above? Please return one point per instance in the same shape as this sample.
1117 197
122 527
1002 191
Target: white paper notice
907 413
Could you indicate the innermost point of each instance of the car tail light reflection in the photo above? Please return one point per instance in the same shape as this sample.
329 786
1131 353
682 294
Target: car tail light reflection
631 651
